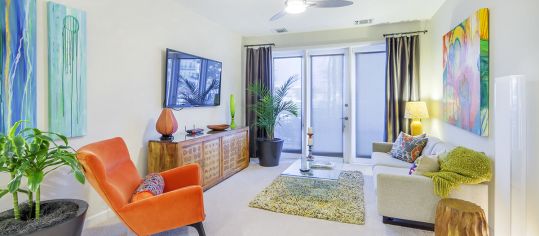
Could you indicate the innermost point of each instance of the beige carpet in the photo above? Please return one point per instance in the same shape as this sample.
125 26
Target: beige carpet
228 213
340 201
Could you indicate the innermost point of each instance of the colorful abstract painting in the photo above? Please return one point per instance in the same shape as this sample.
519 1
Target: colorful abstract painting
18 62
67 70
466 74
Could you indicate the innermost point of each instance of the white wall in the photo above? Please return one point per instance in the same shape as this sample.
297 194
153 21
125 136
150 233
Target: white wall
341 36
514 29
126 43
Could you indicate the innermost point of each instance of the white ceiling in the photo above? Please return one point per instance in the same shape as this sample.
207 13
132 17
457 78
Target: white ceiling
251 17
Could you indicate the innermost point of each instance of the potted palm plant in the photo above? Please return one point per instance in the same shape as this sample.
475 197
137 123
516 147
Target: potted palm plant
270 108
30 154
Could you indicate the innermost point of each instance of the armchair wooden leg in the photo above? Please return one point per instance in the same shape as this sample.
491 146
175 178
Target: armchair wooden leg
200 228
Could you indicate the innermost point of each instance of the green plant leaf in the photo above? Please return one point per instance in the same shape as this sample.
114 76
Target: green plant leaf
19 144
3 192
15 182
62 137
14 128
37 131
79 175
72 162
34 180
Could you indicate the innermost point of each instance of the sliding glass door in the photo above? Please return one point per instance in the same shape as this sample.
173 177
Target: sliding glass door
290 126
370 100
341 92
327 93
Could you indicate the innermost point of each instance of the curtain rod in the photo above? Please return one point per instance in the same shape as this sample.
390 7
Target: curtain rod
258 45
411 32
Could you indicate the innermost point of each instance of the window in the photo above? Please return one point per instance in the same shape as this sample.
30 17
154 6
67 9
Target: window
290 127
370 100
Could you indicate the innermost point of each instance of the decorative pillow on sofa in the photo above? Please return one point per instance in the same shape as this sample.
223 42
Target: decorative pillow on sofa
407 147
428 163
152 185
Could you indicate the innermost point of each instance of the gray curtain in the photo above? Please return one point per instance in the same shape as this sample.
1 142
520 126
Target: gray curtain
402 82
259 68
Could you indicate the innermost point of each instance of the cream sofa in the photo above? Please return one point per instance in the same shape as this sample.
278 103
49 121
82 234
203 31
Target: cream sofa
409 200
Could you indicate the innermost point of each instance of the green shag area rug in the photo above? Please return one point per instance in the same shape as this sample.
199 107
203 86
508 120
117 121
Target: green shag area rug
340 201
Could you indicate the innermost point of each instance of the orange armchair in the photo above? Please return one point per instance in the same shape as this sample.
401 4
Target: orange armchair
109 169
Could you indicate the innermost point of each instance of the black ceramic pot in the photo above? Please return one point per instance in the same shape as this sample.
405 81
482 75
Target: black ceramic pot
269 151
71 226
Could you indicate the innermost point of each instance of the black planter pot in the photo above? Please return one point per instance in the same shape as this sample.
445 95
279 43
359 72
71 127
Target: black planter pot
269 151
71 226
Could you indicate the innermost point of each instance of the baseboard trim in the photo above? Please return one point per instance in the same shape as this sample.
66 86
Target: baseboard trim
98 218
408 223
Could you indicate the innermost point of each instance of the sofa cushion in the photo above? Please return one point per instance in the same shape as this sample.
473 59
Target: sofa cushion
385 159
441 147
436 146
408 147
431 142
425 163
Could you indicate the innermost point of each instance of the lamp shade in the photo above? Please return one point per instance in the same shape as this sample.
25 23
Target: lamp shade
416 110
166 124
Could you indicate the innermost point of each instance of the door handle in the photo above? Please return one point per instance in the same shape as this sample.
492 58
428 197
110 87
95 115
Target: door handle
345 118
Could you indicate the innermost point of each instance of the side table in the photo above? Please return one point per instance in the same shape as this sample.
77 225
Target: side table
456 217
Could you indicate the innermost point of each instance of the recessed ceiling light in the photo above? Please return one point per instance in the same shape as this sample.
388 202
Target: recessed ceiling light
363 22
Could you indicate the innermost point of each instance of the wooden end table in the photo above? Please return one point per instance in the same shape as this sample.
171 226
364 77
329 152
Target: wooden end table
456 217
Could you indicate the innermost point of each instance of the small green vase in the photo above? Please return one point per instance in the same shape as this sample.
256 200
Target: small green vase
232 111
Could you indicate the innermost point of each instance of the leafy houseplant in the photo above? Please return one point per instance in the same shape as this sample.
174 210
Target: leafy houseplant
31 154
270 107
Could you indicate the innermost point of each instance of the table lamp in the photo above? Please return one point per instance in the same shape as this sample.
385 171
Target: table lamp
166 124
416 111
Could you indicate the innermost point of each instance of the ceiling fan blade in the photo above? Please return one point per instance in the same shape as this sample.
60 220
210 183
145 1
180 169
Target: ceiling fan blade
278 15
330 3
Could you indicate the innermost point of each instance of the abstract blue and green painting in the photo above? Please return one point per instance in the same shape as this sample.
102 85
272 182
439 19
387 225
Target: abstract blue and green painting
67 70
18 63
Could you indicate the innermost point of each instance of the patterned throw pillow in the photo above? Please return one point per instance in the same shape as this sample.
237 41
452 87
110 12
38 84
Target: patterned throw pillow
412 169
407 147
141 196
428 163
153 184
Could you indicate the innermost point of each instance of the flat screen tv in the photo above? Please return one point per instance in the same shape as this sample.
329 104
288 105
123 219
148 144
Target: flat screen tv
191 81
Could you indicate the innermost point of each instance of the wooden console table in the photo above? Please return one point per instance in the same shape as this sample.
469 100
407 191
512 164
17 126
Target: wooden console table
219 154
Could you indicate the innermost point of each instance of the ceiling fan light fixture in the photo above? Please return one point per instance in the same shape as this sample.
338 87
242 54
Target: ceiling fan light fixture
295 6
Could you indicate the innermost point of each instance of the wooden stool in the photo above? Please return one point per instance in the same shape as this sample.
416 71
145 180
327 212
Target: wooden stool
455 217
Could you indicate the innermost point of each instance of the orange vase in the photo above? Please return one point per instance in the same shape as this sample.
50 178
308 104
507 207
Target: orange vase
166 124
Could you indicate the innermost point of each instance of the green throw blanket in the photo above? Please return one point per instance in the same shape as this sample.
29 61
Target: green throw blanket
460 166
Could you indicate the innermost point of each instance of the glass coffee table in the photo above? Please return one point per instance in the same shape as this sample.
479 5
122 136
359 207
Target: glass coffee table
332 173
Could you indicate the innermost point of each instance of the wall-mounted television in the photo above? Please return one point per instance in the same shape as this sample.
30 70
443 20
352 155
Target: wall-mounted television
191 81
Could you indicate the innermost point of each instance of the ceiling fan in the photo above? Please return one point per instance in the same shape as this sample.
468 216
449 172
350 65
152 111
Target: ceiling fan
299 6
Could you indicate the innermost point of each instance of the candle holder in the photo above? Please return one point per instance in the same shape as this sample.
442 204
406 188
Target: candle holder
305 165
310 156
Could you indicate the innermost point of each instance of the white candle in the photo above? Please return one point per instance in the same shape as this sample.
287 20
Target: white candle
310 130
310 142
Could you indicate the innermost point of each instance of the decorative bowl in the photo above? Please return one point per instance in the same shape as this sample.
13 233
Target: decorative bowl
220 127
